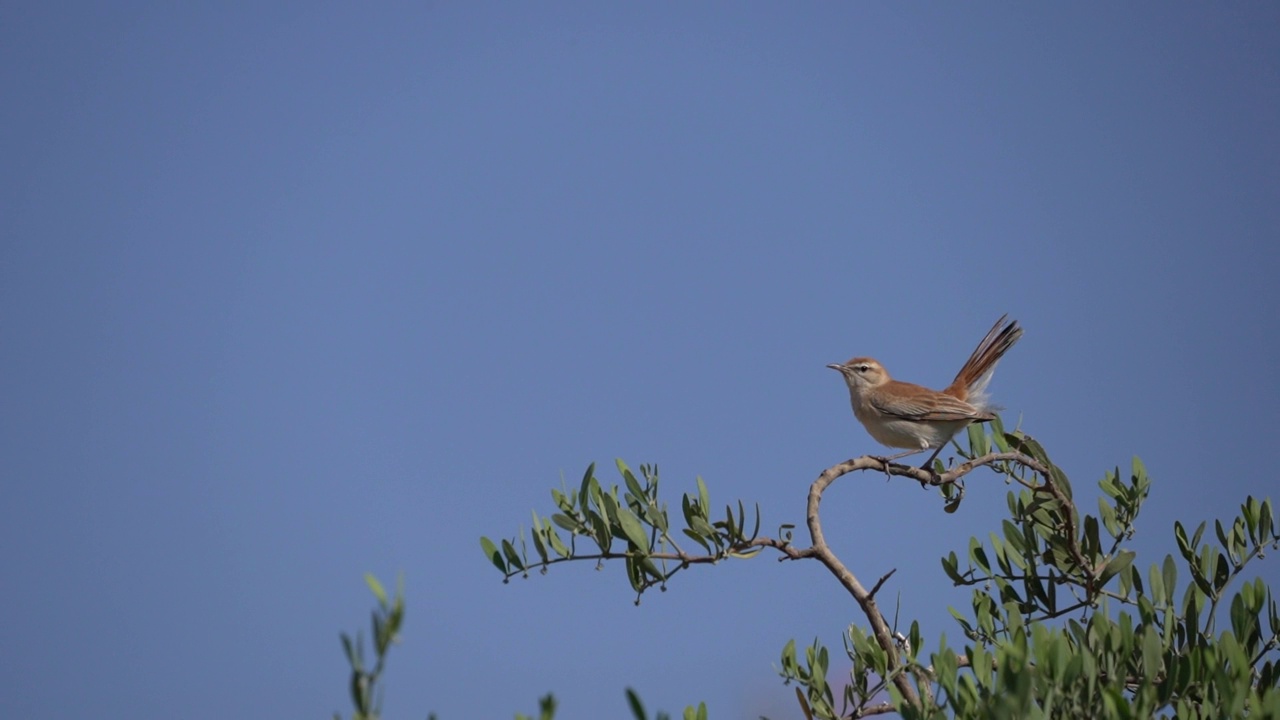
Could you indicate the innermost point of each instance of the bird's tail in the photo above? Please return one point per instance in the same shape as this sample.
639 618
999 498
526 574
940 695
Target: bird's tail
971 382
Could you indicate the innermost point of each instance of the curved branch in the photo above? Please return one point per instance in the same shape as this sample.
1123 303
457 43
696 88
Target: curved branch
866 598
929 477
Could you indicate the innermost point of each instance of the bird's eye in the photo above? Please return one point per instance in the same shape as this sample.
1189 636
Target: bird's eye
863 368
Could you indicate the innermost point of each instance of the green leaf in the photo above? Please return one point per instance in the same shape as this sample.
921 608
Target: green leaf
1000 441
703 528
380 638
1014 535
599 530
633 700
1029 446
1192 601
599 498
584 492
1250 510
1122 560
1222 537
1158 595
789 654
656 518
1060 479
632 484
567 522
978 555
513 558
1110 484
1108 515
731 529
1136 578
1222 573
983 609
556 544
546 707
562 501
696 538
376 587
1242 621
635 575
491 552
651 569
1036 591
632 528
950 565
1002 555
1170 573
538 545
1090 543
360 692
962 620
1140 473
352 657
1184 546
978 444
998 436
704 499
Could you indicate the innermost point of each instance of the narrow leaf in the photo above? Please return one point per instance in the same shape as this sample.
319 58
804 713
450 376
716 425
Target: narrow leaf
632 528
513 558
376 587
491 552
1122 560
633 700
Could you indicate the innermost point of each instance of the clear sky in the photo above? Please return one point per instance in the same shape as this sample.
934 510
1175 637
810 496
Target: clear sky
293 292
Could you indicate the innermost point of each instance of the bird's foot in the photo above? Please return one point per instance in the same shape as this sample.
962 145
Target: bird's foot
885 462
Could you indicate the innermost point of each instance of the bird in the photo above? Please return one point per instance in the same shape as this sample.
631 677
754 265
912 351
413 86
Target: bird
905 415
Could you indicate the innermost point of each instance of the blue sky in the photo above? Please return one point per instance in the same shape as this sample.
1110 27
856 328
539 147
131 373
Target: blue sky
293 292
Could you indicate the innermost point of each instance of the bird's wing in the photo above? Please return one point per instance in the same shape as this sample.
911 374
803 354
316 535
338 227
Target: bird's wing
931 406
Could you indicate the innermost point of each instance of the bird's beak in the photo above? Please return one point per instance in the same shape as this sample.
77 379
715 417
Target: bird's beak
836 366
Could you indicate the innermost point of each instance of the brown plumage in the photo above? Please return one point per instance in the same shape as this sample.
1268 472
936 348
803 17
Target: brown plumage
905 415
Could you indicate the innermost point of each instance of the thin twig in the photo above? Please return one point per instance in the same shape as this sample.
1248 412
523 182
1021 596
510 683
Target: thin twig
876 588
789 552
881 709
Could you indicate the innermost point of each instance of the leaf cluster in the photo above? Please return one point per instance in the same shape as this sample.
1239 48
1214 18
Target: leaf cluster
1063 624
1061 621
366 693
628 523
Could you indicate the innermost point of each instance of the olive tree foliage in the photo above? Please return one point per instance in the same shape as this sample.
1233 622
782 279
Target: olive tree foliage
1062 621
388 617
366 693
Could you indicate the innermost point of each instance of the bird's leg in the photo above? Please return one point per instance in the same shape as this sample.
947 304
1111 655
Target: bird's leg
890 458
886 459
928 464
